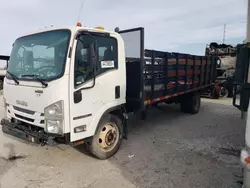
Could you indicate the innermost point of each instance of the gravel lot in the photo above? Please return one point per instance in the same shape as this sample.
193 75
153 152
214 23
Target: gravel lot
169 149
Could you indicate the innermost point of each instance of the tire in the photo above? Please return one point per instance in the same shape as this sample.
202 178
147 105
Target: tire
183 105
108 137
224 93
190 103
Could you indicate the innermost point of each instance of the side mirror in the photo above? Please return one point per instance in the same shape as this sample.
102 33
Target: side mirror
77 96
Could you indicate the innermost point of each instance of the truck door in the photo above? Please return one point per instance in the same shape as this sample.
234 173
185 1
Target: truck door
93 82
241 80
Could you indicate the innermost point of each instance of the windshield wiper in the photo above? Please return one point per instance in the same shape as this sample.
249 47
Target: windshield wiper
14 77
37 78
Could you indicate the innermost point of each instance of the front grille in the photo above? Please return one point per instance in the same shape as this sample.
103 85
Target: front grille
24 110
24 118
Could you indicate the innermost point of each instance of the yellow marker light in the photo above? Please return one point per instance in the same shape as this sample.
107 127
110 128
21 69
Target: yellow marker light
99 27
79 24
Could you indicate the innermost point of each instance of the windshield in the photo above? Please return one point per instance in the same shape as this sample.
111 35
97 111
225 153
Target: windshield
41 55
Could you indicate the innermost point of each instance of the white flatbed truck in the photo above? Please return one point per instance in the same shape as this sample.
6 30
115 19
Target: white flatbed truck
78 85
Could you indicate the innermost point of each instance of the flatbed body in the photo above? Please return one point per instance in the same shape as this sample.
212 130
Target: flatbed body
157 76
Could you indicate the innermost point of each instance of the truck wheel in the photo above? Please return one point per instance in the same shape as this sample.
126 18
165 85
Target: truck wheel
190 103
1 84
223 92
108 137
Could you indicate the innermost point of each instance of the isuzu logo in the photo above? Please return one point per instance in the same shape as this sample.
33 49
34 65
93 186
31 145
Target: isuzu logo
23 103
39 91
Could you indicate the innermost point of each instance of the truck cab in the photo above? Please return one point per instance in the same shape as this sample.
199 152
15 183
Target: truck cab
67 84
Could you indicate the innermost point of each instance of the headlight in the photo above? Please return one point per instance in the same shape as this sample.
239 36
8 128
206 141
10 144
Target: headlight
54 120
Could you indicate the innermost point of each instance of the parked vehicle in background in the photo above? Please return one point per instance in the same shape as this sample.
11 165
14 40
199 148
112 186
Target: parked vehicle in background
79 85
3 68
225 68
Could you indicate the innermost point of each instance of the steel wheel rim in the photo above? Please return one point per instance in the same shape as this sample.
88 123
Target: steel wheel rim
108 137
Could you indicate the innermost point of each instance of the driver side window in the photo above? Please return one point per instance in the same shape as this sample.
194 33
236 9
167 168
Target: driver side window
106 60
83 68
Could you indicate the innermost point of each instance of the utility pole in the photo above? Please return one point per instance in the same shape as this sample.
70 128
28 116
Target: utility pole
248 23
224 33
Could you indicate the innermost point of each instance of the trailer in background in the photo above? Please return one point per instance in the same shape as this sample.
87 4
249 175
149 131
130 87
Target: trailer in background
225 69
4 59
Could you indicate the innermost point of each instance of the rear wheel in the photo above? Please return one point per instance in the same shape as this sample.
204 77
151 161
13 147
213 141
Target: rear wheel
190 103
108 137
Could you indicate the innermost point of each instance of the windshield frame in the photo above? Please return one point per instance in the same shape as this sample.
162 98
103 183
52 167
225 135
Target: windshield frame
64 60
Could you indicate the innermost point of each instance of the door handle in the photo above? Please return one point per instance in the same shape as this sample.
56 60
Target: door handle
117 92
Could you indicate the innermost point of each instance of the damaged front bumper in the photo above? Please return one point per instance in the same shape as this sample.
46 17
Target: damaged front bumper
35 134
25 132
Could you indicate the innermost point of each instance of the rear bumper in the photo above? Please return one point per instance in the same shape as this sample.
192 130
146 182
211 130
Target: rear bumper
23 132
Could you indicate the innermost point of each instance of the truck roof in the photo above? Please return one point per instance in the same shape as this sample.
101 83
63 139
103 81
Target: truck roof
71 28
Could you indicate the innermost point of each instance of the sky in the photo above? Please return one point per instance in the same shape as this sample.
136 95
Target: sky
184 26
